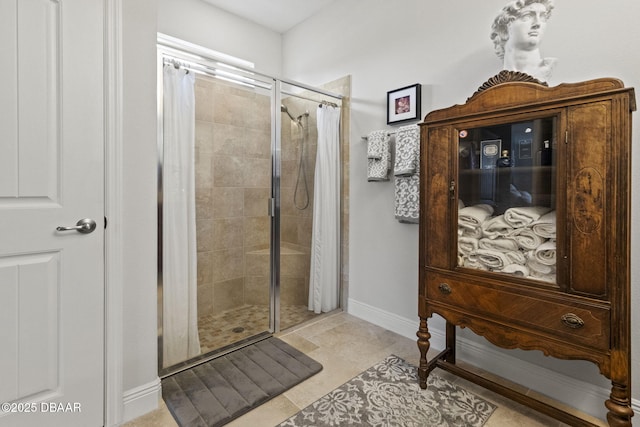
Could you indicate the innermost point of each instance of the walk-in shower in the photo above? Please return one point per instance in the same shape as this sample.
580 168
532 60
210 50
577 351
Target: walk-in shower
237 168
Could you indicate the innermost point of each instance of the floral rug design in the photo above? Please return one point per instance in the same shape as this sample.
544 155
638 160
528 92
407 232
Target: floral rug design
388 394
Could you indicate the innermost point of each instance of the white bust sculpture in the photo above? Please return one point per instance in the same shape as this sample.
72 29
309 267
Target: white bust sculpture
516 34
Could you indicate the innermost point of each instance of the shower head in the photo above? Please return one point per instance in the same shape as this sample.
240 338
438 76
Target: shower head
284 109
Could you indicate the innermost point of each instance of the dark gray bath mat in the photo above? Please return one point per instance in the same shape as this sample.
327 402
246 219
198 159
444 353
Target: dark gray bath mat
216 392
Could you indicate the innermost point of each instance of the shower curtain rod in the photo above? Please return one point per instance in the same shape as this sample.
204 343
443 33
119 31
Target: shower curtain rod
171 45
321 102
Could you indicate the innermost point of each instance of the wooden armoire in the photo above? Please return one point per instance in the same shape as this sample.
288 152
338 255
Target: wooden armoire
524 228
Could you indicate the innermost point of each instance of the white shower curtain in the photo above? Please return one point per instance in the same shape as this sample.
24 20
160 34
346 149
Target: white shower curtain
325 241
179 261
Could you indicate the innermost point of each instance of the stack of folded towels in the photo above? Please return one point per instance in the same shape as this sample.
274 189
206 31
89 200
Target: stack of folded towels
522 241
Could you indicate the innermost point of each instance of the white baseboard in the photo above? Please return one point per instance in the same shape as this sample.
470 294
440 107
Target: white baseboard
586 397
141 400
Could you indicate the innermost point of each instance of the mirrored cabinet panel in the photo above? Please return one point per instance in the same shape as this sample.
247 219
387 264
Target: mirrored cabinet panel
507 198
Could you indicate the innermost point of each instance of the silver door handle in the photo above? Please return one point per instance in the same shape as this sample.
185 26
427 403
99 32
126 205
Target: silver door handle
84 226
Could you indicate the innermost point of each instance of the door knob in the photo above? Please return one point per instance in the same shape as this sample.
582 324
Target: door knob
84 226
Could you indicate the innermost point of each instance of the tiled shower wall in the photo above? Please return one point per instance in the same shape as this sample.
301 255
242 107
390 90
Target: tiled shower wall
233 179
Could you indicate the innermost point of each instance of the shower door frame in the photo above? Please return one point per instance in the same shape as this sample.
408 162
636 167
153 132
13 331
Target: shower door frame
204 61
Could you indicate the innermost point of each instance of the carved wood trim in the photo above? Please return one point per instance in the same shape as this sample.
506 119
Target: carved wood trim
506 76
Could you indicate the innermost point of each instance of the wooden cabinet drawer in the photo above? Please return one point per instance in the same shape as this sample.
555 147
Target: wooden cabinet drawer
577 322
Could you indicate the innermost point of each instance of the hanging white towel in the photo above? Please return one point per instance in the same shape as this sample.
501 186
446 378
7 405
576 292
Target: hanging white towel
379 156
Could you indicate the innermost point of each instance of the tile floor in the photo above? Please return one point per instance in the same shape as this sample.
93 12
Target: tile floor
231 326
346 346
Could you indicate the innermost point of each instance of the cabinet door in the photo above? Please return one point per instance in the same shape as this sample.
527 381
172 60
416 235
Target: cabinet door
590 196
437 199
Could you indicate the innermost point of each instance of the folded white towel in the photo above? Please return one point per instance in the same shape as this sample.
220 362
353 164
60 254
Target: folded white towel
523 216
375 143
545 226
378 168
474 216
540 270
467 245
460 204
516 257
496 227
516 269
473 262
546 253
526 238
499 244
494 260
475 232
407 151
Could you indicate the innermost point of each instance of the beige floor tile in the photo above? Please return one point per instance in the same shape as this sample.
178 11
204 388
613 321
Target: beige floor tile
346 346
271 413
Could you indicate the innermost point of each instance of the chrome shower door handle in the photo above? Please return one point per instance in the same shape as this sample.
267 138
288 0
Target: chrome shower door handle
84 226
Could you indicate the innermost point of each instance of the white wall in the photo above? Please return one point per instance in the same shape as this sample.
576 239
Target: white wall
140 373
445 46
198 22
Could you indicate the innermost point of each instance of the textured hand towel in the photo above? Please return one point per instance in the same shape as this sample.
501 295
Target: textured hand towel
375 143
407 198
407 173
501 244
494 260
378 169
526 238
496 227
523 216
545 226
546 253
407 150
474 216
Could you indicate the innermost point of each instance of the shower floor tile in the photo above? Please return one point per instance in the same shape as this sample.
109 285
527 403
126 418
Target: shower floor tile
230 326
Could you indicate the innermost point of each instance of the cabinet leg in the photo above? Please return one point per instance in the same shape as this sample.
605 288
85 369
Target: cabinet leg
423 344
618 404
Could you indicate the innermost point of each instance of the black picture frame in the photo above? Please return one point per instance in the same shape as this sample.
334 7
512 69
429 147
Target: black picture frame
403 104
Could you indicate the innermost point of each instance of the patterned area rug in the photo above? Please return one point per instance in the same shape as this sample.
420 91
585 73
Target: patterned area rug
388 394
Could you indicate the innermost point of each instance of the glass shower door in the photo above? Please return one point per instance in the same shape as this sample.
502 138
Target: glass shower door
232 173
233 146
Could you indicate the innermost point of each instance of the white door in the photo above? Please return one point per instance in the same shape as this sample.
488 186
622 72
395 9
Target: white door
51 174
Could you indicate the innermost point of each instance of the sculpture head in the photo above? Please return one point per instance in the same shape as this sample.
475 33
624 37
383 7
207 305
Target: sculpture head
522 22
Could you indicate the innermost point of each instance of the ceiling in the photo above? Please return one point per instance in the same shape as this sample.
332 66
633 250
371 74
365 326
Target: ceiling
277 15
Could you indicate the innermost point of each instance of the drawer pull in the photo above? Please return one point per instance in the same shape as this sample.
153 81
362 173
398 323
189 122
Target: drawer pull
444 288
572 321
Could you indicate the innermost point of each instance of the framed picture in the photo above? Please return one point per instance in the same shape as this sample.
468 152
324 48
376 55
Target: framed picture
403 104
